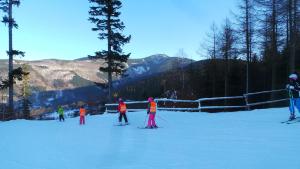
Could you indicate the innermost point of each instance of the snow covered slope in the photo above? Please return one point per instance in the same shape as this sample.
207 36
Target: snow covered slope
239 140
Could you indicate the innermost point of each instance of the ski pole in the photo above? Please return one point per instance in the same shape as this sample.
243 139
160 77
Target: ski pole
162 118
145 119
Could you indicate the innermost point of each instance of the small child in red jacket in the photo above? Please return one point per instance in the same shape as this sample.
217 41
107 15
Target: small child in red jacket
82 112
122 109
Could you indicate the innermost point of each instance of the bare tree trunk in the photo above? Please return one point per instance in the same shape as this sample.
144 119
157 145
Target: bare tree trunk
214 60
10 60
293 31
274 45
109 61
247 44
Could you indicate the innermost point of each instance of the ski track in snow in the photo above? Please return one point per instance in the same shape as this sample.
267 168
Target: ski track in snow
238 140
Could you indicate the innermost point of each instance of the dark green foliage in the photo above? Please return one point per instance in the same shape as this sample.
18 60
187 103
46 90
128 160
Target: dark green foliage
7 7
200 77
105 15
17 74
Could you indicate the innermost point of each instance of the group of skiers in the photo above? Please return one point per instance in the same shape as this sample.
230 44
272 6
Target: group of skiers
151 111
122 109
82 113
293 88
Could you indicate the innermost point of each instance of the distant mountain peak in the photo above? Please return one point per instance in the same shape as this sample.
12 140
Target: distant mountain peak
157 56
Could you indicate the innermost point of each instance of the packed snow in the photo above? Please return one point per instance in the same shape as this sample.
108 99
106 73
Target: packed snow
238 140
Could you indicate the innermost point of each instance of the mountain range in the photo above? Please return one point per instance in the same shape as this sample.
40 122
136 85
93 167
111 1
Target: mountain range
54 81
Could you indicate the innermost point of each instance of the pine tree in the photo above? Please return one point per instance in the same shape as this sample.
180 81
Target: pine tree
105 15
7 7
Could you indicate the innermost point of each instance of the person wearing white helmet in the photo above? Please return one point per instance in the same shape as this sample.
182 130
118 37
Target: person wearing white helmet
293 88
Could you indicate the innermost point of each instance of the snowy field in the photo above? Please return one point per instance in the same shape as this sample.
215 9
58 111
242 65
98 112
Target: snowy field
239 140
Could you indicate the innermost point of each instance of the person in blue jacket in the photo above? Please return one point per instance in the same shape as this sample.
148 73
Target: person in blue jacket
293 88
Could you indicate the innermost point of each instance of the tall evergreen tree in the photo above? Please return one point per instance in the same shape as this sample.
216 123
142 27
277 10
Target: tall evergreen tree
7 7
105 15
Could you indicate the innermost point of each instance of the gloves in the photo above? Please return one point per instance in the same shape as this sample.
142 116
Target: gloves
289 87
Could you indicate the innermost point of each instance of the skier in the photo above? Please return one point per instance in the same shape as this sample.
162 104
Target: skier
122 110
151 110
293 89
60 112
82 112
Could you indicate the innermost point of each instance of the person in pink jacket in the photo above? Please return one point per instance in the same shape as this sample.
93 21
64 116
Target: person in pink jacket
151 110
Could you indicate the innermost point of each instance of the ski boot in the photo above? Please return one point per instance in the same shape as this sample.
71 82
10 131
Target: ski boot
292 117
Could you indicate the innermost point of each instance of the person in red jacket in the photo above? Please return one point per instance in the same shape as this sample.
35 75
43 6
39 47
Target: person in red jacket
82 113
151 111
122 109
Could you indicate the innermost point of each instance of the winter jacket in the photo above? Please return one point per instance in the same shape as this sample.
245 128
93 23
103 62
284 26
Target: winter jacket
152 107
82 112
294 89
60 111
122 107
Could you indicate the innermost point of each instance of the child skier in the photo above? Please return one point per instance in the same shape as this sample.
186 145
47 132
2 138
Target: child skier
82 112
151 110
122 110
60 112
293 89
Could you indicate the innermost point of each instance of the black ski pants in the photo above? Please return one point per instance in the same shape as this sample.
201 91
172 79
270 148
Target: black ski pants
123 115
61 117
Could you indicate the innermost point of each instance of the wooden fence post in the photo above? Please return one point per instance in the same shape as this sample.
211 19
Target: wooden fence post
246 102
199 106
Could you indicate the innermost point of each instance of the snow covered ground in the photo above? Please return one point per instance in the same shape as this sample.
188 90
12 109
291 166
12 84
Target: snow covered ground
238 140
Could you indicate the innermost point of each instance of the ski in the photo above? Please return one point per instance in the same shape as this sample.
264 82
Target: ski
291 121
148 128
286 121
121 124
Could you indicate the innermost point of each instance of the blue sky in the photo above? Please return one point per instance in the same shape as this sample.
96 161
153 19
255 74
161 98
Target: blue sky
60 29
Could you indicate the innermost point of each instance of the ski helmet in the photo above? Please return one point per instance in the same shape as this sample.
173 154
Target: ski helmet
293 76
150 99
120 100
